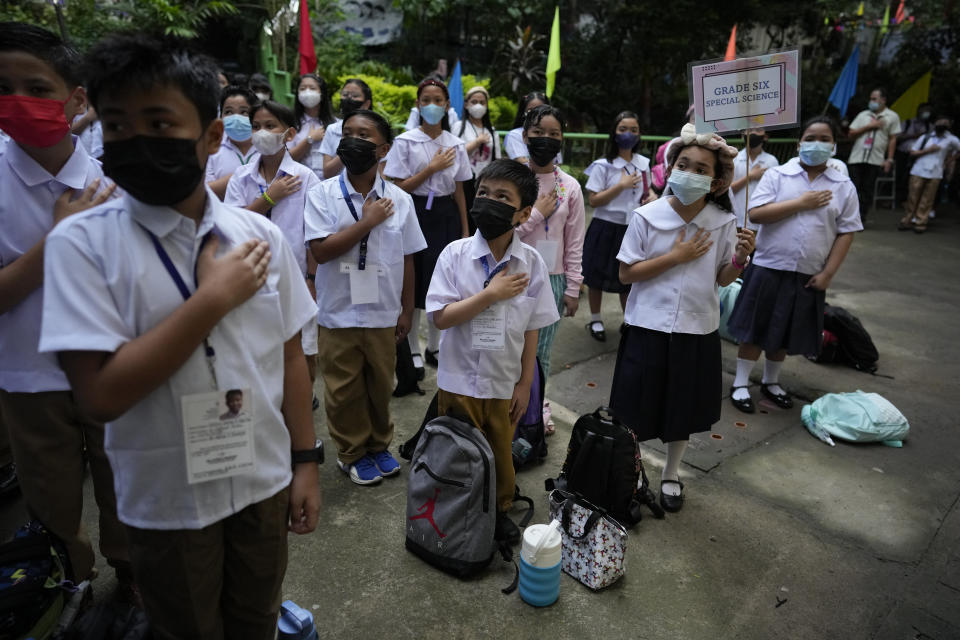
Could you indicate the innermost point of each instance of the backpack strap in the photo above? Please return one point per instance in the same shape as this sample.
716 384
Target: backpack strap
565 512
525 520
507 554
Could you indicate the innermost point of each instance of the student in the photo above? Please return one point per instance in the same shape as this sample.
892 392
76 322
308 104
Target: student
676 251
363 232
260 86
513 143
874 133
355 95
476 130
453 118
236 150
222 79
431 163
314 115
159 302
46 176
760 161
931 153
87 126
490 295
555 226
807 213
275 186
617 184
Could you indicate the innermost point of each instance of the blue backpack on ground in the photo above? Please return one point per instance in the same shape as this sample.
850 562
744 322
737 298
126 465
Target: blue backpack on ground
855 417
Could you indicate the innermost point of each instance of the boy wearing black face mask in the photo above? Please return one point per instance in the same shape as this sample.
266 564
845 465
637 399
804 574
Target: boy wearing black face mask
760 161
930 153
156 304
363 232
46 177
490 295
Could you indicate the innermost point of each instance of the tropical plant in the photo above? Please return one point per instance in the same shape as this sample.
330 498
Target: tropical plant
182 19
526 64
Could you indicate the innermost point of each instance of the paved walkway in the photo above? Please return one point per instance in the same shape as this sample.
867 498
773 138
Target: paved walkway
782 536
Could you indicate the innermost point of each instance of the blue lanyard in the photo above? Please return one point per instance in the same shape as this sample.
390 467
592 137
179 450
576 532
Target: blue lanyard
353 212
486 270
184 291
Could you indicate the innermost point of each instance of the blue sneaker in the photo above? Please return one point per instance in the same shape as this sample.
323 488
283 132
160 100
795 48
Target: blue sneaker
386 463
363 471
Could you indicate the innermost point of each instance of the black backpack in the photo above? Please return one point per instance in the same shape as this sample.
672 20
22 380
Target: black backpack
854 346
33 569
603 466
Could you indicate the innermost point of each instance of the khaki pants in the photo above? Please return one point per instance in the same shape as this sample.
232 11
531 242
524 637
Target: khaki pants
357 367
222 581
492 417
52 443
922 194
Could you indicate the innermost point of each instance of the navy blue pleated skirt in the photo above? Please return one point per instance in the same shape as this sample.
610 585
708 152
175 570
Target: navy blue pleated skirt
776 310
440 226
601 269
667 385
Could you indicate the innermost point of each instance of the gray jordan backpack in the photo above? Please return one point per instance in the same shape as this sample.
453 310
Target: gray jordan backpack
451 498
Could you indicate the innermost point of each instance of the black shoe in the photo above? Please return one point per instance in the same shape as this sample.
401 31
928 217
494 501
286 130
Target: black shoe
671 503
421 372
783 400
600 335
746 406
904 226
430 357
8 480
506 530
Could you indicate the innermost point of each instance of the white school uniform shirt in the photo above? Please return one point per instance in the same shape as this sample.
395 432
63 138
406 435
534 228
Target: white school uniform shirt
832 163
515 148
802 242
247 185
106 286
603 174
413 150
92 139
682 299
459 274
26 216
870 147
314 157
413 120
739 198
931 165
228 159
331 140
485 153
391 240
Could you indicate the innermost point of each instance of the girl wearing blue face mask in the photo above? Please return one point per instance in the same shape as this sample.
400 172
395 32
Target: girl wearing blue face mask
618 183
807 213
236 148
675 252
431 164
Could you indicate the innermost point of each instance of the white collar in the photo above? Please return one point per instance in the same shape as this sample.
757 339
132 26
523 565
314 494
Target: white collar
479 248
379 186
161 220
73 174
793 168
663 217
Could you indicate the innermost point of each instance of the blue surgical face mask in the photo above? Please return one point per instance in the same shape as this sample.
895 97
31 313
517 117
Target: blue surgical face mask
432 113
874 106
689 187
237 127
814 153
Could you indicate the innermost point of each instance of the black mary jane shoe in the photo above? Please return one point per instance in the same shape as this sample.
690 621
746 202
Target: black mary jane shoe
668 502
600 336
746 405
430 357
782 400
421 372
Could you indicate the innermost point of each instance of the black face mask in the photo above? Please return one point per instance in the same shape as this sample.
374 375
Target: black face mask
543 149
348 106
754 140
940 130
358 155
156 171
493 219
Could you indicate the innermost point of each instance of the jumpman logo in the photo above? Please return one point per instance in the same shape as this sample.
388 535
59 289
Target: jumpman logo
426 511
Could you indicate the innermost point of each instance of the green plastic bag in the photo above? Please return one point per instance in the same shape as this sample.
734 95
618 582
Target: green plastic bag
855 417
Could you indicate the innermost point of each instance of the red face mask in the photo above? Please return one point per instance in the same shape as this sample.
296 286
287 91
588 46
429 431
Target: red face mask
33 122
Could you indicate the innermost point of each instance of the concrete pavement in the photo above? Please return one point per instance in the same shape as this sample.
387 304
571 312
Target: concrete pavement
782 536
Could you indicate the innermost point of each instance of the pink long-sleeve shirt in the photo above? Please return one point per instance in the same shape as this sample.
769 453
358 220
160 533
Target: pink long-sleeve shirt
565 226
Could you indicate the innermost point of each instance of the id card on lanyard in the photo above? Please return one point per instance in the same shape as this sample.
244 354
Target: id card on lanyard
217 443
364 285
488 329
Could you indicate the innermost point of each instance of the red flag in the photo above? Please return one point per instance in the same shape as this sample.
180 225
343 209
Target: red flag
731 46
308 55
898 18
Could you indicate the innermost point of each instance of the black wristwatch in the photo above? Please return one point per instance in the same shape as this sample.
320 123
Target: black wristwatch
309 455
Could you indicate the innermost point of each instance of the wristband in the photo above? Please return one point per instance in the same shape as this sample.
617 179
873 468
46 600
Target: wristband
268 199
737 265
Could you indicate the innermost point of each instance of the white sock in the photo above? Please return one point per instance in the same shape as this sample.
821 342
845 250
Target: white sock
742 379
433 337
671 468
413 338
595 317
771 376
